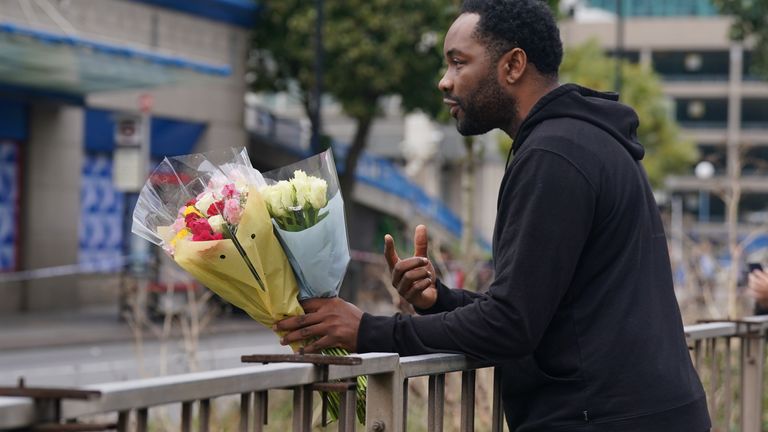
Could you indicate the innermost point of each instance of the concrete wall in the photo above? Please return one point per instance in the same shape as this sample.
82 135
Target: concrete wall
51 203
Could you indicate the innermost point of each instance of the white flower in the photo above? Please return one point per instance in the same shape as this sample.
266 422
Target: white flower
217 223
287 194
318 193
278 197
302 186
204 202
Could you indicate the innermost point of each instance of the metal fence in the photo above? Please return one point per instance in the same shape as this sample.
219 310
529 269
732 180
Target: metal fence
729 356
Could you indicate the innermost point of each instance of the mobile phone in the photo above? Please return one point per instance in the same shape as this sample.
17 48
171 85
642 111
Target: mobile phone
754 266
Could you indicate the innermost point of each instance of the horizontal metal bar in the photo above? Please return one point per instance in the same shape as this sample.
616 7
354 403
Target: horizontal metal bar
318 359
431 364
757 319
48 393
16 412
372 364
709 330
201 385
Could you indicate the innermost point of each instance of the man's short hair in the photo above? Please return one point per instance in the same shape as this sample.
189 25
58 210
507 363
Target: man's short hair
525 24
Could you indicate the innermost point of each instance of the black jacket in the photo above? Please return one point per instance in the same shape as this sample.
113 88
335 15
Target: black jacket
582 314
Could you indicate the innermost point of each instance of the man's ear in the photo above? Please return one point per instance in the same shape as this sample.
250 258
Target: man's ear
513 65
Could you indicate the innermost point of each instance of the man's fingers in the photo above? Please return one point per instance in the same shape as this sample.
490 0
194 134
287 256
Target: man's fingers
297 322
414 290
319 345
420 241
301 334
416 275
315 304
406 265
389 252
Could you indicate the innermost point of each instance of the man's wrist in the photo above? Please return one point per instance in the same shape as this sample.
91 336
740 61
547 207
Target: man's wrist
440 298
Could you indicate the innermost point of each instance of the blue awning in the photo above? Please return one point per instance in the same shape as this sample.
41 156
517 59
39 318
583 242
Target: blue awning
13 120
241 13
75 65
169 137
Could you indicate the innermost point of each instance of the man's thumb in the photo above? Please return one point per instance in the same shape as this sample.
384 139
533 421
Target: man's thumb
389 252
420 242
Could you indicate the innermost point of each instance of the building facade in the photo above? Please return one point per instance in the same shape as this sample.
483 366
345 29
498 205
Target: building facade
70 69
714 94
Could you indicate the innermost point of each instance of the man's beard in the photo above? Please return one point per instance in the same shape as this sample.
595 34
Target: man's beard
486 109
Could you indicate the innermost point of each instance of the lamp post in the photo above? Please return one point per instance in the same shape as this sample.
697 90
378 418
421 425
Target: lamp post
317 92
704 171
619 43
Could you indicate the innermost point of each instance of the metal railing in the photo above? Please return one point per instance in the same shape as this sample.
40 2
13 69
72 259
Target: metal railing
729 356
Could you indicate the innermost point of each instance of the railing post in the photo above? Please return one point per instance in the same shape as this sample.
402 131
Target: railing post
752 354
302 408
384 401
122 421
347 409
186 417
205 415
260 408
245 412
142 420
468 400
497 422
436 403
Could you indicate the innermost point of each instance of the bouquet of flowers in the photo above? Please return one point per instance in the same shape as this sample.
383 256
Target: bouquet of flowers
250 238
311 227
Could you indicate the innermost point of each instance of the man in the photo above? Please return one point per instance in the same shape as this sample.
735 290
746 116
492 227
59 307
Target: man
757 283
581 315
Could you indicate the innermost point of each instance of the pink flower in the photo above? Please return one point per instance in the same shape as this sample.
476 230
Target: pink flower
179 224
229 190
232 211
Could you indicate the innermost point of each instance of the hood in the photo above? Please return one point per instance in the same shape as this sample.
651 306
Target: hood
600 109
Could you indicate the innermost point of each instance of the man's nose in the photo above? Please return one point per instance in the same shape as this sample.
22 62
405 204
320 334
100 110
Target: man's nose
445 84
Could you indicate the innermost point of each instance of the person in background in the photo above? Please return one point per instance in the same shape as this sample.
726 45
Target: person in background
581 316
757 284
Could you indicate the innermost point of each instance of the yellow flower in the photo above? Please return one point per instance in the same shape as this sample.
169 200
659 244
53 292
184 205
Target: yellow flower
192 209
180 236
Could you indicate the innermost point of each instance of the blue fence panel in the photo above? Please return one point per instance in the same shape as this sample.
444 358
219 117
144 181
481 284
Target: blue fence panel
9 196
101 216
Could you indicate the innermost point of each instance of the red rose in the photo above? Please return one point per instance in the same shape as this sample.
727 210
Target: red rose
190 218
191 202
214 208
200 225
206 236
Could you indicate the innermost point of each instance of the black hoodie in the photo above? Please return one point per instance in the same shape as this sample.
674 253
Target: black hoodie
581 315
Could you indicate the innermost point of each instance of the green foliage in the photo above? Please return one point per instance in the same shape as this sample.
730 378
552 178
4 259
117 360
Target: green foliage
373 48
665 151
750 19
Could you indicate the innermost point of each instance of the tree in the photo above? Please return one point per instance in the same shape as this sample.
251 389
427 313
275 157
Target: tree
373 49
665 151
750 18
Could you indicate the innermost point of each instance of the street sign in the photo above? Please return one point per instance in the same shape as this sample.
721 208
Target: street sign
128 170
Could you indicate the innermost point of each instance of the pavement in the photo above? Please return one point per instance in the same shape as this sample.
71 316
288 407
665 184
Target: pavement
94 325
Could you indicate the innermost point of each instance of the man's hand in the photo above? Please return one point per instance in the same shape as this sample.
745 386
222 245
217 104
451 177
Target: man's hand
414 278
758 287
332 321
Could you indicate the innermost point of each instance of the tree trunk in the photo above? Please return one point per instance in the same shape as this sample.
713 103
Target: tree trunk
732 221
734 175
347 180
